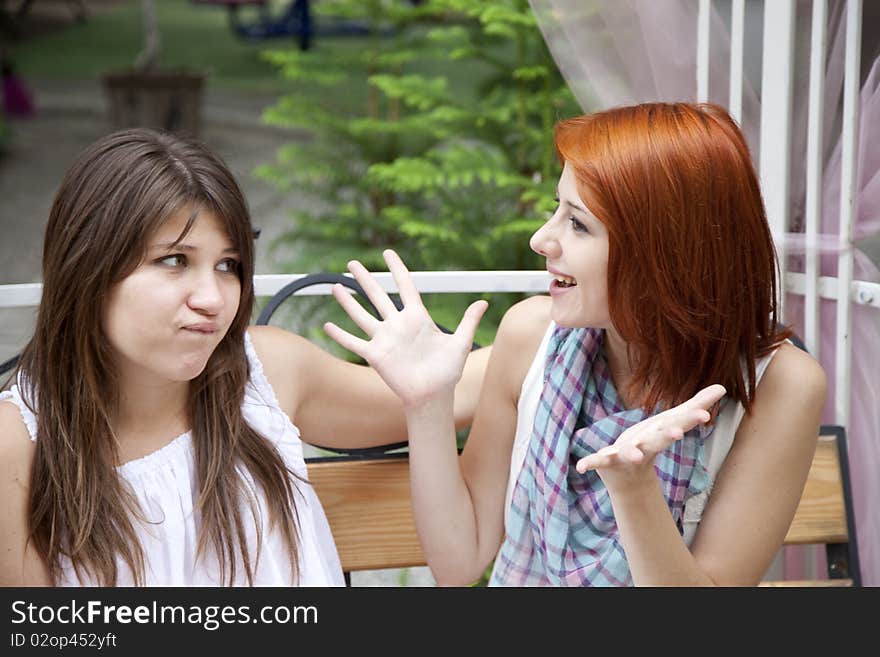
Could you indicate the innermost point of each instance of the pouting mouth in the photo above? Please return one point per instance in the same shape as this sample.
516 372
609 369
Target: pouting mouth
564 281
200 328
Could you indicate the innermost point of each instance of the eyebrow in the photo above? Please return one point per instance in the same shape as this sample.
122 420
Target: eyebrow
182 246
574 205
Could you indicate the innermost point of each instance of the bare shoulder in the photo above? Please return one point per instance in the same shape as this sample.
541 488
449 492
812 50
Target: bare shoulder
271 342
525 322
793 379
284 357
299 370
19 563
518 338
16 446
788 402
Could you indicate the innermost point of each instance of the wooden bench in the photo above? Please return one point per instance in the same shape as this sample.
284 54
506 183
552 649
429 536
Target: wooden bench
367 501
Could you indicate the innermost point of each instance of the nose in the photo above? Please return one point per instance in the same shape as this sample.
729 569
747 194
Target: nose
544 241
205 295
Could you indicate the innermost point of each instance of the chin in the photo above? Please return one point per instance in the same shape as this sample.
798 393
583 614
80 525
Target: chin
569 321
190 371
564 320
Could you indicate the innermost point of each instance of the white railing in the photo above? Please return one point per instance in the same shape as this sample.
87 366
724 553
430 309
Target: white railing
861 292
265 285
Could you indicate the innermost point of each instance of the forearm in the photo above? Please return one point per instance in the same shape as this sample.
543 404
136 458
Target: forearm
655 550
442 504
467 390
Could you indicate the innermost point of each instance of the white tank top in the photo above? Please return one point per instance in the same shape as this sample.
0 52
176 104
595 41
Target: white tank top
164 484
714 452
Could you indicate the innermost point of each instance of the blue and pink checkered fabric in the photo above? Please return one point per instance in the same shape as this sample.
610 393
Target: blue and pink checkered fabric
561 529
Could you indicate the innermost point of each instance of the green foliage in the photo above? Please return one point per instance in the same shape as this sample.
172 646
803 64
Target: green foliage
434 138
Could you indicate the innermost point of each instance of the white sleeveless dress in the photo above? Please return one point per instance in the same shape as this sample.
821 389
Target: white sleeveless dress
165 486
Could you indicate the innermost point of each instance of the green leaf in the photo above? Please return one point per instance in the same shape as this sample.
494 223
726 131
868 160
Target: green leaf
530 72
415 90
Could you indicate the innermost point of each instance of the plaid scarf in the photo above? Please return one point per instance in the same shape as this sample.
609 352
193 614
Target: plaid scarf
561 529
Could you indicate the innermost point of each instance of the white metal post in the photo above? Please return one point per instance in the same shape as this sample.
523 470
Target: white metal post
737 37
776 92
849 142
703 17
814 174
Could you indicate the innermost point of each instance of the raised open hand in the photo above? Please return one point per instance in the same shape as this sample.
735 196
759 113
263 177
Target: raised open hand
414 357
635 449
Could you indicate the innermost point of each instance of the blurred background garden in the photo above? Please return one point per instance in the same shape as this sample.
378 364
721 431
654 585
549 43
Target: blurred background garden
424 126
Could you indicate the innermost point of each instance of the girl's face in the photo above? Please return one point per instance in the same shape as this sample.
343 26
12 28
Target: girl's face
165 319
575 244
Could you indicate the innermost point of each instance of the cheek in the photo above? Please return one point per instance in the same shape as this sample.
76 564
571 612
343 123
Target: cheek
594 293
135 305
117 317
232 300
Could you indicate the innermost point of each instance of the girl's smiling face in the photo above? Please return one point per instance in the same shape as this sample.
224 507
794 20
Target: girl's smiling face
575 244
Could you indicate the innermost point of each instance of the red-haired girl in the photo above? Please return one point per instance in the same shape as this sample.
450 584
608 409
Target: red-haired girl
647 423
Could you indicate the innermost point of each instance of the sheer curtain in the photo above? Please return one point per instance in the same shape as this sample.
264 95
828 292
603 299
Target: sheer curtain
620 52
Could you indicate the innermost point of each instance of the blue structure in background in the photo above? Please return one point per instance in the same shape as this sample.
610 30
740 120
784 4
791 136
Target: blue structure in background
294 21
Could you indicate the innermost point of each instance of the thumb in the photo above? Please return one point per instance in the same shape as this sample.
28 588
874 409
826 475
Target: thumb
467 327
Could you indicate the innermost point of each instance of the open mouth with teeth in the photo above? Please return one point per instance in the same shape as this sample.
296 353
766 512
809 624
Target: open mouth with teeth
564 281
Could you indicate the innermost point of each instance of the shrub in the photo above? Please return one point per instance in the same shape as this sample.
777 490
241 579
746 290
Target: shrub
432 136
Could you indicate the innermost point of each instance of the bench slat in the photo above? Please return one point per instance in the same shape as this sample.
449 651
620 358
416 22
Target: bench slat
821 514
368 506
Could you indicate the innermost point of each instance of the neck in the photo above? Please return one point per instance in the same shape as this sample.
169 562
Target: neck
619 367
149 412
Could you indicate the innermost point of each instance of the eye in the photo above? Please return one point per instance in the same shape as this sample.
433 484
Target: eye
175 260
577 226
229 266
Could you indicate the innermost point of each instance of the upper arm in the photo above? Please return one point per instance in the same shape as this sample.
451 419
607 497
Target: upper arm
334 403
343 405
20 565
485 460
760 484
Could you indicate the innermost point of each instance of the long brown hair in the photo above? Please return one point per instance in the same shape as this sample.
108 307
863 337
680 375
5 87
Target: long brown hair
692 271
120 190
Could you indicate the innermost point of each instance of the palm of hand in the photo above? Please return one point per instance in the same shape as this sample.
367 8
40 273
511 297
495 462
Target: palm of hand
414 358
632 454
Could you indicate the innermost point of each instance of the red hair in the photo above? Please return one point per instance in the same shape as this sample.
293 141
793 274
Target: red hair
692 270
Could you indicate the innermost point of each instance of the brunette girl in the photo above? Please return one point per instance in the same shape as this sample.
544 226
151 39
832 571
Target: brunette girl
151 437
